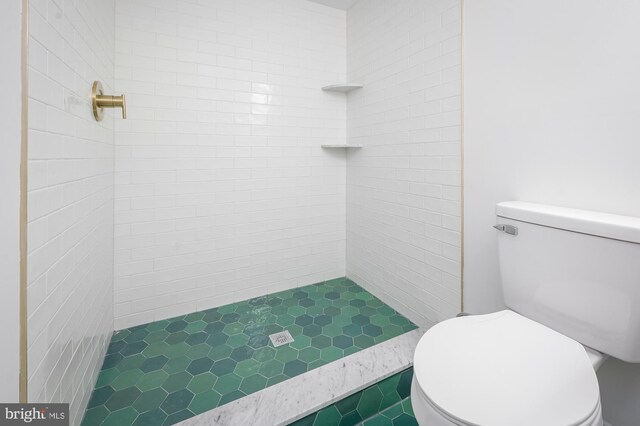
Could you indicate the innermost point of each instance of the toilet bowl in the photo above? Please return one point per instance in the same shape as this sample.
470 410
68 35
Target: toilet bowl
503 369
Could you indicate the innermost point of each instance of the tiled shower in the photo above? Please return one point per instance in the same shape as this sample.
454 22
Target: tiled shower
215 190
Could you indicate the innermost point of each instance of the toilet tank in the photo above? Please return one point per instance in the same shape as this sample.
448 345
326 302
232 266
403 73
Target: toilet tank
575 271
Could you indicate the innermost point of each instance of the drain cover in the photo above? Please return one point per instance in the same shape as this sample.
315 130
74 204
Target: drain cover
282 338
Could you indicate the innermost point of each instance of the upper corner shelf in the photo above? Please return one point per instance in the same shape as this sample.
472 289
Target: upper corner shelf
345 145
344 88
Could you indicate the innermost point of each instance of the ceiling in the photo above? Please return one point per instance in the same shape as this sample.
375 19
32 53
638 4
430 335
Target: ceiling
338 4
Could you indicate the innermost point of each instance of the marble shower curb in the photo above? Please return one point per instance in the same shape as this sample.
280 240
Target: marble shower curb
299 396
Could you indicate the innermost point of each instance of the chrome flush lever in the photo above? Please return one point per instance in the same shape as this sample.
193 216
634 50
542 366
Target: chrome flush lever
507 229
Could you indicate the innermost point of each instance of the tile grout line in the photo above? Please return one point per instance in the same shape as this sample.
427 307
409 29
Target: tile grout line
399 403
316 389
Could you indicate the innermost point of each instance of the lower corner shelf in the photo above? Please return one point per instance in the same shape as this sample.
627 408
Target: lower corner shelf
340 146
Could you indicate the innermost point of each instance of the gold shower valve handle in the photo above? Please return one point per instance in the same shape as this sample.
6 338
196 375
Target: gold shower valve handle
107 101
100 101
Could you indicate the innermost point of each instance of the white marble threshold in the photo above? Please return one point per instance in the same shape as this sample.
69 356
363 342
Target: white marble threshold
307 393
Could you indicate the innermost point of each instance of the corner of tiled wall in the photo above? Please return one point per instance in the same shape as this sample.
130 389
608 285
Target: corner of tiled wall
404 186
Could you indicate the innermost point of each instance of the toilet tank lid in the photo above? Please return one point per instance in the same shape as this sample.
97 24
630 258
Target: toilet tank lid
606 225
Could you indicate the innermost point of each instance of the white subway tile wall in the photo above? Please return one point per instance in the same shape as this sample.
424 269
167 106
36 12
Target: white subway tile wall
222 190
404 186
70 200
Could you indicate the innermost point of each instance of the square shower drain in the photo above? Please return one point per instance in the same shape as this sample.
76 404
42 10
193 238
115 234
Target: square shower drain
282 338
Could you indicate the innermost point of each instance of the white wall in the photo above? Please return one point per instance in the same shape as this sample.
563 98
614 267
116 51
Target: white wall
403 187
222 190
70 200
10 104
551 113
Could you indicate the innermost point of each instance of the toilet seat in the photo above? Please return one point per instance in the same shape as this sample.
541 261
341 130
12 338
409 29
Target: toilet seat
503 369
424 409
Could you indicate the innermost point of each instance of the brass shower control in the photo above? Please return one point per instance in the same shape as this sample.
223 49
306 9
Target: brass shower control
100 101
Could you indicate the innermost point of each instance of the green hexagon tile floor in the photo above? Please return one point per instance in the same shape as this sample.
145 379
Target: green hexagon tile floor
386 403
166 371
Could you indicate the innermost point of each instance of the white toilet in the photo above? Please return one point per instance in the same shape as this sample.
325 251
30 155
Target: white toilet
571 281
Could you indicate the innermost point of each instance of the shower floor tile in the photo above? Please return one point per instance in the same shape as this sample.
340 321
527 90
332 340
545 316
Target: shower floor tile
400 414
384 403
167 371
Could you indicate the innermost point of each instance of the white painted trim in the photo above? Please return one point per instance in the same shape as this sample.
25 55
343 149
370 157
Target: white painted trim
10 112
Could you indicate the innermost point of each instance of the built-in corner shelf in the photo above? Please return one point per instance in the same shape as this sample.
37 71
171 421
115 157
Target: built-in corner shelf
343 88
344 145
